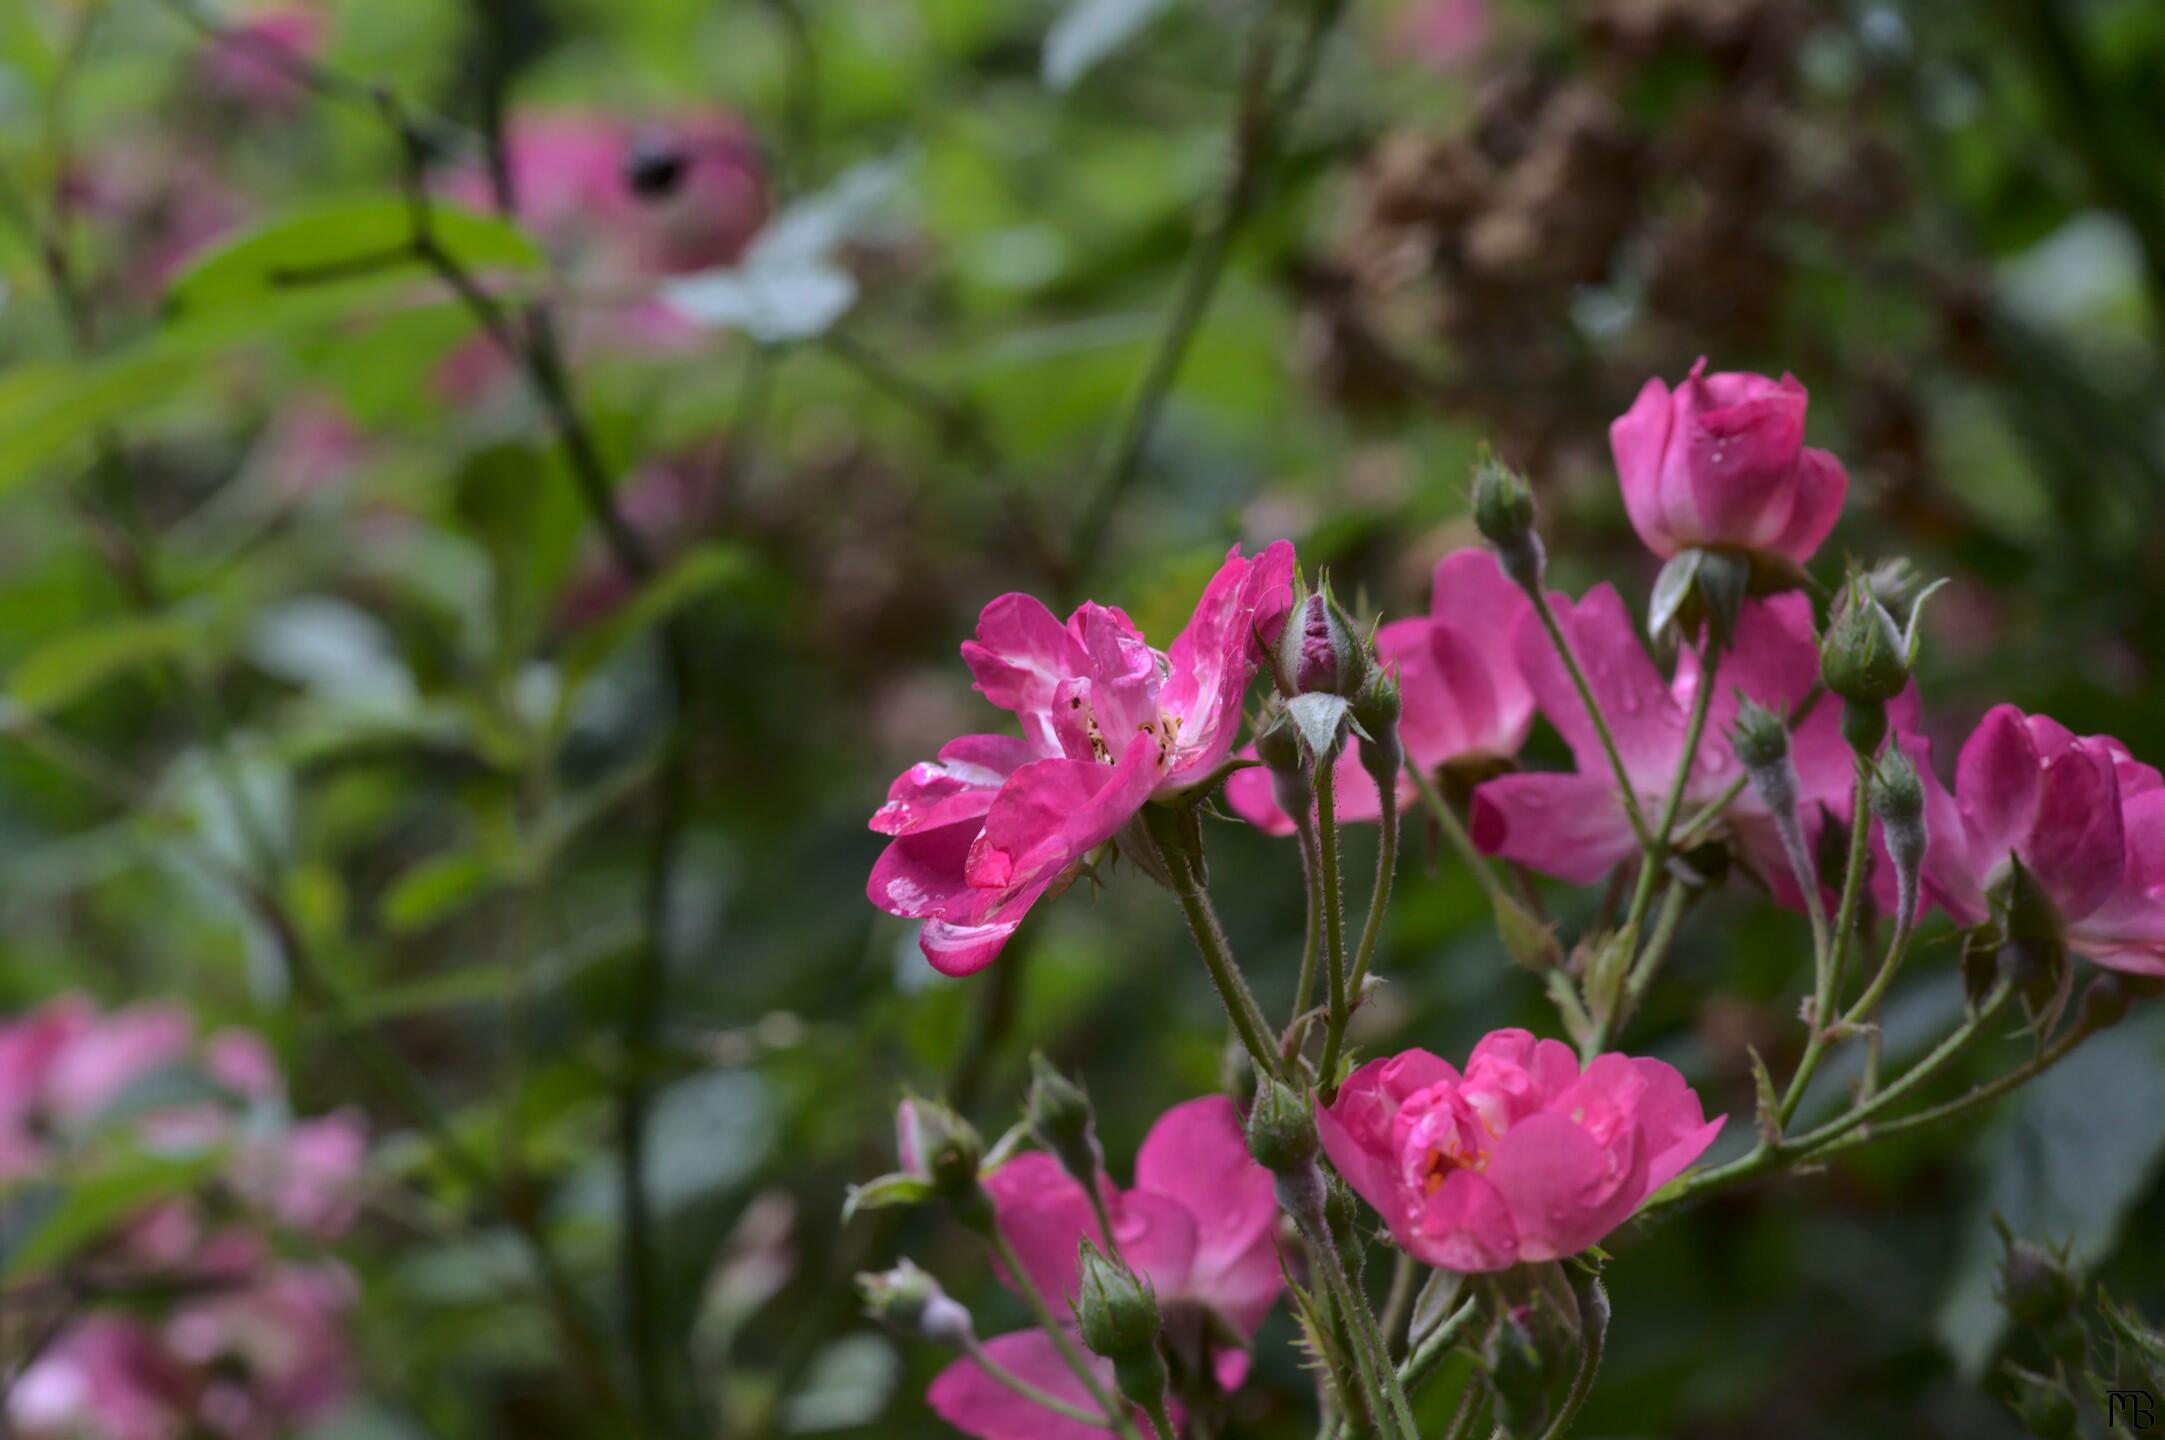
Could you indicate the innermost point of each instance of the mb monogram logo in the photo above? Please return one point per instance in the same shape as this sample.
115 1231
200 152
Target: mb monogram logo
2130 1410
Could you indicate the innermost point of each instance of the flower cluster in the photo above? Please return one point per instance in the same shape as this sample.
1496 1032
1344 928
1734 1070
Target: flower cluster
248 1340
1781 745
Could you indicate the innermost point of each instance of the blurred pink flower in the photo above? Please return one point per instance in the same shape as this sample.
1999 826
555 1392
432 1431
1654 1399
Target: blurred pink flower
996 822
157 205
1199 1226
1522 1157
610 239
105 1377
1721 461
1574 826
308 1176
1442 34
242 64
2083 816
1464 698
271 1355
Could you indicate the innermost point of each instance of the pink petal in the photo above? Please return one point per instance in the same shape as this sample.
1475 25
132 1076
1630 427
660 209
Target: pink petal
957 950
1996 784
920 874
1550 1065
976 1404
1465 1226
1734 451
1020 656
114 1053
1476 614
958 786
1672 1123
1197 1155
1051 813
1563 1190
1637 703
2135 915
1213 660
1570 826
1822 485
1638 439
2075 845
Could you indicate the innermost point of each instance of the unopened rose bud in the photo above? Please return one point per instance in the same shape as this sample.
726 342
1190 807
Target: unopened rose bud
1528 1352
1863 657
1317 652
1503 510
1760 739
2106 1001
940 1146
2039 1288
1281 1128
1376 710
1897 798
1117 1311
2033 938
1059 1116
910 1302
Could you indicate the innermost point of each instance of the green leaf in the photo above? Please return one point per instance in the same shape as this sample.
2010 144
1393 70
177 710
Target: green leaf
1090 30
2069 1157
348 240
437 887
91 1207
72 665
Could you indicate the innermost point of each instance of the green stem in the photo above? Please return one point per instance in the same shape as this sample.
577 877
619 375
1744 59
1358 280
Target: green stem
1386 867
1594 1328
1029 1392
1599 721
1897 948
1312 936
1454 835
1217 952
1379 1378
1400 1298
1845 924
1655 864
1436 1345
1831 1136
1334 924
1108 1405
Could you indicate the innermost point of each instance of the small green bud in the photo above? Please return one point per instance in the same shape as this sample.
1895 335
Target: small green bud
1281 1128
1864 658
910 1302
1059 1116
1117 1312
1503 510
940 1146
1897 798
2042 1404
2038 1287
2033 939
1759 737
1376 710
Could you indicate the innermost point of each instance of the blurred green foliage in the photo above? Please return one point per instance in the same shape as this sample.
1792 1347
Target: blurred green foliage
368 692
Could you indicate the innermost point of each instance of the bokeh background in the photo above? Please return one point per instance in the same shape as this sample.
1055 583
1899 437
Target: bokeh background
297 534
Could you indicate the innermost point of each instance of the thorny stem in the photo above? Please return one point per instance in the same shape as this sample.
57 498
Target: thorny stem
1045 1398
1829 986
1312 929
1845 1130
1108 1405
1380 898
1334 924
1599 721
1216 950
1386 1398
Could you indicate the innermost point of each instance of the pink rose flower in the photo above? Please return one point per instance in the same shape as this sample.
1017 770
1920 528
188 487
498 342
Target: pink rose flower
242 65
1574 826
2084 817
1463 695
1200 1226
105 1377
1721 461
1442 35
1523 1157
981 834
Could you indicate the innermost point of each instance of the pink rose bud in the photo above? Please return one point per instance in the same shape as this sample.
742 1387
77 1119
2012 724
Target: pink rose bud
1721 461
1521 1157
